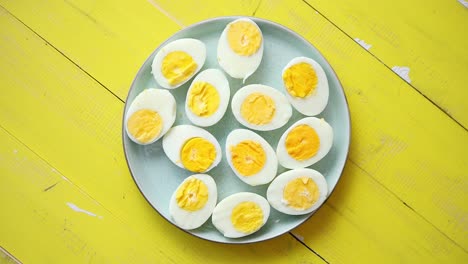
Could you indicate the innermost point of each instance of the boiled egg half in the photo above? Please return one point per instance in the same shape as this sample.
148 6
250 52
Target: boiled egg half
261 107
150 115
240 214
304 143
251 157
306 85
298 191
178 61
192 148
240 48
193 201
207 98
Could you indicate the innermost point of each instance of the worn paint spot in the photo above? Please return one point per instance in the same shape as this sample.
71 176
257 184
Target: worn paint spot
301 238
363 43
465 3
79 210
173 18
15 151
403 72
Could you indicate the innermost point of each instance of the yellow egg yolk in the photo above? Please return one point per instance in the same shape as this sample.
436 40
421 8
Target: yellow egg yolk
244 38
258 109
145 125
198 154
247 217
192 195
301 193
302 142
203 99
248 157
177 67
300 80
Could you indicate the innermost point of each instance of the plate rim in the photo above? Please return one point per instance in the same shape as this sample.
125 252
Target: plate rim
255 19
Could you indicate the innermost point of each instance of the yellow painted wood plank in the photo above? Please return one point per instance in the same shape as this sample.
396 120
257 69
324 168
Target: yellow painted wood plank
378 225
46 219
73 124
425 36
108 39
370 151
398 137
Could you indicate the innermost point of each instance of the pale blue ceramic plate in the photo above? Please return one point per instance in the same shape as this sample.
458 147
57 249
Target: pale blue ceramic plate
157 177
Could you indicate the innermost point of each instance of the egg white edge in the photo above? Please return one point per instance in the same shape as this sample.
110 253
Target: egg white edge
206 211
222 86
161 54
228 204
322 127
312 105
278 184
171 137
169 104
271 165
282 114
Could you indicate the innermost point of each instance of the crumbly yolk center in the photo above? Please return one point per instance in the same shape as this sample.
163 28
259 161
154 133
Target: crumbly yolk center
145 125
203 99
198 154
301 193
177 67
244 38
248 157
192 195
247 217
302 142
300 80
258 109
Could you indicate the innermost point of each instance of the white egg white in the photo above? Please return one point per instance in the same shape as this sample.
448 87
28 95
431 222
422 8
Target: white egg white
325 134
221 217
157 100
194 47
217 79
283 110
315 103
193 219
176 137
276 188
270 168
237 66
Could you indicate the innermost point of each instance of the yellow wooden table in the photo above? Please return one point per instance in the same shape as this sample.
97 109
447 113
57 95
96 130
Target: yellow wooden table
66 194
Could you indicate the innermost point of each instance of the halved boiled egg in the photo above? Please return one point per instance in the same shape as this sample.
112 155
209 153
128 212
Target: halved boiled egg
192 148
207 98
178 61
306 85
150 115
298 191
304 143
240 48
240 214
250 156
261 107
193 201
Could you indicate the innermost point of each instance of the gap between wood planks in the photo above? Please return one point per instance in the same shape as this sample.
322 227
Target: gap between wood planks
387 66
182 25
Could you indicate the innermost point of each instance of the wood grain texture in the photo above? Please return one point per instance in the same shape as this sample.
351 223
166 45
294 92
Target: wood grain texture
425 36
407 173
66 124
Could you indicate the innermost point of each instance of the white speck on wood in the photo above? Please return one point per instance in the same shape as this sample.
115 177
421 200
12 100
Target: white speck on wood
301 238
79 210
15 151
363 43
403 72
463 2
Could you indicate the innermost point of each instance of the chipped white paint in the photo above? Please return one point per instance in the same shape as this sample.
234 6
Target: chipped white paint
79 210
363 43
463 2
301 238
15 151
403 72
